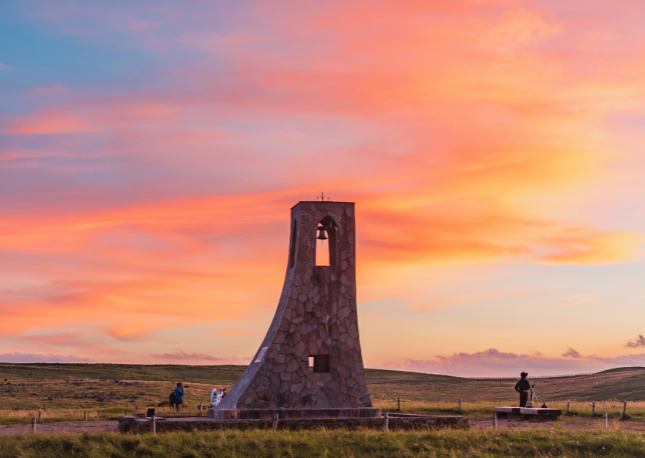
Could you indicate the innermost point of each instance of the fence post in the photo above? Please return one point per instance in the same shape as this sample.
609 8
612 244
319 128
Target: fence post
604 420
386 420
398 401
136 410
154 424
593 409
33 425
624 410
494 420
201 406
276 417
40 416
85 415
568 407
460 405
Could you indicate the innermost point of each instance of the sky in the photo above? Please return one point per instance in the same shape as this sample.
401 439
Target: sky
150 153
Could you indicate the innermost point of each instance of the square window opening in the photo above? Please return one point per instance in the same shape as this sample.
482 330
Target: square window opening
319 363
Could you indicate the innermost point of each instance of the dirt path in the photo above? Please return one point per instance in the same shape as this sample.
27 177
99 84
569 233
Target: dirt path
477 424
53 428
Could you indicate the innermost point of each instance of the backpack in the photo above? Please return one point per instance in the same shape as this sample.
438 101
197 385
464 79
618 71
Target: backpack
172 399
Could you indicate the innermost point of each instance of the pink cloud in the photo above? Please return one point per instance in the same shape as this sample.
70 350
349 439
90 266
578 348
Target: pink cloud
459 128
495 363
636 343
41 358
181 357
571 353
46 123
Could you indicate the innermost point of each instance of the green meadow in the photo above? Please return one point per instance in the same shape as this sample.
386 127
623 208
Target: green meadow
61 393
102 386
555 442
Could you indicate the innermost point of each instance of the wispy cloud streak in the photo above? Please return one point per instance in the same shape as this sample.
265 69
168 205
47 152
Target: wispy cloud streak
152 196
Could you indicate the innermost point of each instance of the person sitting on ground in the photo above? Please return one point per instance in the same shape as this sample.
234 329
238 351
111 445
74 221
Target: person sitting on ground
179 394
523 386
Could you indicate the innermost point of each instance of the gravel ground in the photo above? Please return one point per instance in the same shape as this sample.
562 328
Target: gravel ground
72 427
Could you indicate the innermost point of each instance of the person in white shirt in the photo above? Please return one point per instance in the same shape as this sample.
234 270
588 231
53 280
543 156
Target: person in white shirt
216 396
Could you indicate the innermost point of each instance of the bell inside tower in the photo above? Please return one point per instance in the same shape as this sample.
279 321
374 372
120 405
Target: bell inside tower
327 242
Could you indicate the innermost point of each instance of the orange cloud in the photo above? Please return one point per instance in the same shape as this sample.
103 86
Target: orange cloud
426 305
459 128
587 246
128 332
239 332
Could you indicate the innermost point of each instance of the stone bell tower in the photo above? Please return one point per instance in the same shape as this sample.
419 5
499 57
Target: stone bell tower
310 363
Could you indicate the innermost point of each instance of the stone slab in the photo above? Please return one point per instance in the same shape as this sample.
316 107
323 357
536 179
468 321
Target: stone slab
540 411
507 410
529 413
267 414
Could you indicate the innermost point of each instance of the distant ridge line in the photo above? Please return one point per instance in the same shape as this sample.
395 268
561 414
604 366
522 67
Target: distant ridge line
535 376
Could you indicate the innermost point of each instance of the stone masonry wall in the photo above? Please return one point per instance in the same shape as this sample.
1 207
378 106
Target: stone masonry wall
316 316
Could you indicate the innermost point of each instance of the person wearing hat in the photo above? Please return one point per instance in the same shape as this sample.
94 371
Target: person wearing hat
523 386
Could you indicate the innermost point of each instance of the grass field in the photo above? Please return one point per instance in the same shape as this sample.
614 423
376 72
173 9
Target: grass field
627 384
169 373
475 411
63 391
93 386
329 444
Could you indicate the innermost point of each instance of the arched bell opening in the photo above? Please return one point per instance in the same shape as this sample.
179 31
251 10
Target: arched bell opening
293 245
327 242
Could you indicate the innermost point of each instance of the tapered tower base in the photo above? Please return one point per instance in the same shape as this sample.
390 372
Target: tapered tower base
292 414
309 365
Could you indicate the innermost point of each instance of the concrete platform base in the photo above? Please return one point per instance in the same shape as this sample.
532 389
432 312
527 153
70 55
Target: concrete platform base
292 414
403 422
507 412
527 413
539 413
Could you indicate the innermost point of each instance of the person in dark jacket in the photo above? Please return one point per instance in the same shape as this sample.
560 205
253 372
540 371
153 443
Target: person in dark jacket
523 387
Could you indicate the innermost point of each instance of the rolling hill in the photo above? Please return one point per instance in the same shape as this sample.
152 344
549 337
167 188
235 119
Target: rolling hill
616 384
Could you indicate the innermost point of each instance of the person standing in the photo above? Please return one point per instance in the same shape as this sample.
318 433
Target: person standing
523 386
179 394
